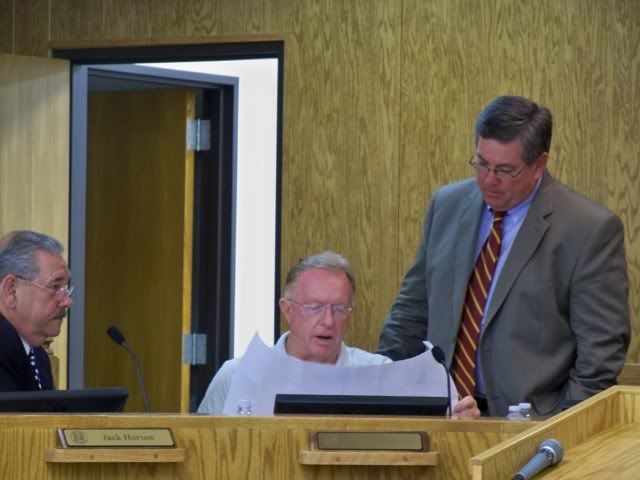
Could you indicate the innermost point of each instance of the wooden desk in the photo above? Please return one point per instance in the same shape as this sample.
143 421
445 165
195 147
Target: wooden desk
601 439
244 448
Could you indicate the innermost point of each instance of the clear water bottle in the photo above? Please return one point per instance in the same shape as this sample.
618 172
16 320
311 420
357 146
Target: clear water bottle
244 408
514 413
525 410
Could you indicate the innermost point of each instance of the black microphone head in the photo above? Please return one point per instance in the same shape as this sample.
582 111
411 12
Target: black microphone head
438 354
552 449
116 335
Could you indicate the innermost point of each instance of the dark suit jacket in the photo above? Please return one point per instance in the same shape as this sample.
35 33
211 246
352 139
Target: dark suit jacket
557 327
15 370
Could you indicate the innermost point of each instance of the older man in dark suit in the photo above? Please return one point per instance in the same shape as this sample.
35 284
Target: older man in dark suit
521 281
34 298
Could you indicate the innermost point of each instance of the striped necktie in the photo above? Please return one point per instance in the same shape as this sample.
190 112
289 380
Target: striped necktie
464 360
34 369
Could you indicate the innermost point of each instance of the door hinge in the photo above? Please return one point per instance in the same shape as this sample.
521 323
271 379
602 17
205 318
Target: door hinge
198 135
194 348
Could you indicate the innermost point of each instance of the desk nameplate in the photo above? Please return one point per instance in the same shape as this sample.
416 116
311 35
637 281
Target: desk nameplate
369 448
115 437
408 441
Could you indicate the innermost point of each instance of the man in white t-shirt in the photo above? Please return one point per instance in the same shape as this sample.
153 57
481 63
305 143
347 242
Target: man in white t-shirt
317 305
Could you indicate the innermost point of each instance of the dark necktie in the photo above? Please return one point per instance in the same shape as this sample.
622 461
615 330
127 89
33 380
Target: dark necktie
34 369
464 359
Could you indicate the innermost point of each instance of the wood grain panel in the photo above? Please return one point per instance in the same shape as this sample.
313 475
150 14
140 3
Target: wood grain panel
630 374
591 460
105 19
152 19
137 276
232 447
6 26
32 27
187 250
439 100
341 145
599 437
380 100
34 155
621 155
115 455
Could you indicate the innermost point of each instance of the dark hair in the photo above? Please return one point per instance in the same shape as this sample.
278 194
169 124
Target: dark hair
509 117
329 260
17 252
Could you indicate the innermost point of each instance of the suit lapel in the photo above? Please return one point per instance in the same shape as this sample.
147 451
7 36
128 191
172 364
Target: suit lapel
530 235
466 237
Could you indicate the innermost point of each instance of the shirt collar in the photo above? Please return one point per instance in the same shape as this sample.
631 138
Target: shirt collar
25 344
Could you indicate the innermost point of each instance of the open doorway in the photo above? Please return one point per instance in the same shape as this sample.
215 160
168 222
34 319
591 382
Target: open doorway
225 323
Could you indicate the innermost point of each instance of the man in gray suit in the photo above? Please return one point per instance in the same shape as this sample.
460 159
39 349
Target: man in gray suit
553 324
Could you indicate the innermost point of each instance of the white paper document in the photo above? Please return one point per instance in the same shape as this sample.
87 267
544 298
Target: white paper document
263 372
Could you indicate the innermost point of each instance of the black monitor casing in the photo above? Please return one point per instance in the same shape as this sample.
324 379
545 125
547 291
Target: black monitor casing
359 405
86 400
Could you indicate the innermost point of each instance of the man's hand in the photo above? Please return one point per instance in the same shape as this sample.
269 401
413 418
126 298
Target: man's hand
466 408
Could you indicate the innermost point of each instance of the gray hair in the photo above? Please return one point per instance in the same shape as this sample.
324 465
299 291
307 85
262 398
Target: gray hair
509 117
17 252
329 260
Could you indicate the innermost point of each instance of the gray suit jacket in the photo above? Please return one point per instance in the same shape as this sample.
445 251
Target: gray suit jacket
557 327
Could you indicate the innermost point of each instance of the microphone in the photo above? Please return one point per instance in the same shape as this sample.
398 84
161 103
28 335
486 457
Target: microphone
549 453
116 336
439 357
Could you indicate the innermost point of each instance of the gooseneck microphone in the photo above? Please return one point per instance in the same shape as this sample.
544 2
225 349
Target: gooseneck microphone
116 336
549 453
439 357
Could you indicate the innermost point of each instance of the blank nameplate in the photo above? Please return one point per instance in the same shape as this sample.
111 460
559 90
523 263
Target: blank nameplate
115 437
407 441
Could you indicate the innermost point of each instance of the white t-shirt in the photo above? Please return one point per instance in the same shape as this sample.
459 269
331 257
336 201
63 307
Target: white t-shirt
216 395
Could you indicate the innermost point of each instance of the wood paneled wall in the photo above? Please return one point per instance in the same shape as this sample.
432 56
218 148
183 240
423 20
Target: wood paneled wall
380 97
34 153
6 25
